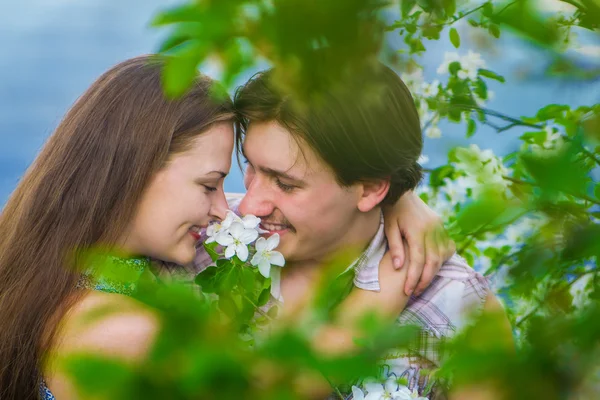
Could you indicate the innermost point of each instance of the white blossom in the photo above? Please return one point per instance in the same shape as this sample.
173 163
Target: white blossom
413 80
456 189
580 291
484 167
449 58
236 239
469 64
433 132
266 255
430 89
214 229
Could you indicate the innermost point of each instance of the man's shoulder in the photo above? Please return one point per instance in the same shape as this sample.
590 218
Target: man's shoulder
457 268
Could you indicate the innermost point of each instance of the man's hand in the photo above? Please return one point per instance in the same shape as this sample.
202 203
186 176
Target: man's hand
429 246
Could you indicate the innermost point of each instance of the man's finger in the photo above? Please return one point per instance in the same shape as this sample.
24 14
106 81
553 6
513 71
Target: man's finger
416 255
449 245
395 242
432 262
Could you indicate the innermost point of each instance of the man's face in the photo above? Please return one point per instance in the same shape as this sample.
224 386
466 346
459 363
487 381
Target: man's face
295 194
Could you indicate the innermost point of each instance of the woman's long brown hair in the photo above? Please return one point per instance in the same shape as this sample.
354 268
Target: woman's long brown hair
82 191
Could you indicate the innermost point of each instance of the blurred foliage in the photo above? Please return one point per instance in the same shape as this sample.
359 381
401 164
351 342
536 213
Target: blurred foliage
528 220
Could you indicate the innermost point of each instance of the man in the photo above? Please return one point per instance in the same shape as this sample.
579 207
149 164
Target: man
319 174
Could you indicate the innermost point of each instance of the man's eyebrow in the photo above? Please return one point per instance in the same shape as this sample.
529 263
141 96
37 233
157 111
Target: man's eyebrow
275 173
281 174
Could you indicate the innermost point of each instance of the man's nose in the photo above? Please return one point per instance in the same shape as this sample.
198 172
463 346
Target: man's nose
257 200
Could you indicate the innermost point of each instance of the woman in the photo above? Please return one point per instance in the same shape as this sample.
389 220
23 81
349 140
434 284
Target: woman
127 170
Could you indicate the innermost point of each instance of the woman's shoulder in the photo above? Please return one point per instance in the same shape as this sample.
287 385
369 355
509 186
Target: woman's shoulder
108 324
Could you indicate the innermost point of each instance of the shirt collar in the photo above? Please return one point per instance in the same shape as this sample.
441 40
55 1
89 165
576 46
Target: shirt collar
366 266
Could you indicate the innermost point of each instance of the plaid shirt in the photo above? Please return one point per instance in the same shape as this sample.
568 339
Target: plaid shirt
456 294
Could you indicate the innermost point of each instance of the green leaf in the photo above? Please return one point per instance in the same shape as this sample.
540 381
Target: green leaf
534 137
492 75
228 306
471 127
93 374
210 250
488 9
597 191
454 37
207 279
449 7
560 173
551 111
406 6
494 30
437 176
523 19
178 75
481 88
248 279
185 13
478 216
454 67
264 297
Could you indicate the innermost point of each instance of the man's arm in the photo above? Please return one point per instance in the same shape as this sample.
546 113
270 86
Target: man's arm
387 304
411 221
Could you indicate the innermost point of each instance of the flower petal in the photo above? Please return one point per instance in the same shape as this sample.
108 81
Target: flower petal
403 393
260 245
375 396
242 251
391 385
374 387
251 221
236 229
230 251
256 258
229 219
273 241
212 229
248 236
264 267
357 393
224 239
276 258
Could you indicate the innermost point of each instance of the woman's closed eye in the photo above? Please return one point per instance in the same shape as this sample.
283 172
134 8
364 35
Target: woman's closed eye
210 188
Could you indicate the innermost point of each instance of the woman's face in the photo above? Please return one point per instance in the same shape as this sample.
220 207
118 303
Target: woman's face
183 197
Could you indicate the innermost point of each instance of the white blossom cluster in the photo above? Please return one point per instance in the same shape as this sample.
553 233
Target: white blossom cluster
470 64
236 234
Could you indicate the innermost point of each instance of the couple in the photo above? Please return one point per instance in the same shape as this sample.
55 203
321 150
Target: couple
137 173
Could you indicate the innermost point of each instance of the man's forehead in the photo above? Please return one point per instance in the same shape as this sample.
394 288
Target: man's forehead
271 143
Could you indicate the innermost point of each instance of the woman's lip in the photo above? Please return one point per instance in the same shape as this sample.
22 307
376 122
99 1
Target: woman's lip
195 235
